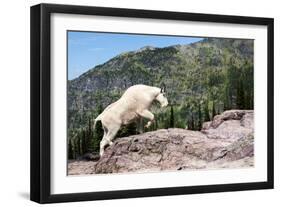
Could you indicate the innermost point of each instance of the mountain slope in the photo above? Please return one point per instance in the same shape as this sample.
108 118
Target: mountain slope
154 66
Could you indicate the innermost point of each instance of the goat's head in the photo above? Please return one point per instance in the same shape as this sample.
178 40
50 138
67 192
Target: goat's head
161 98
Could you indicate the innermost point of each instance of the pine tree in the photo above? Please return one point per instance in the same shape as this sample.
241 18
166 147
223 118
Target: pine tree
213 110
131 129
240 95
73 148
192 125
226 103
77 146
206 112
89 136
79 142
70 150
172 121
98 134
156 122
83 142
199 117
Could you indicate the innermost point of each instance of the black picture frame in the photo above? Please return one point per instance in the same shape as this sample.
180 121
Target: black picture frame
41 96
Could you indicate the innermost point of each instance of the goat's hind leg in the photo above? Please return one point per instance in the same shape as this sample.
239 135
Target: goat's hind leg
111 134
103 142
107 138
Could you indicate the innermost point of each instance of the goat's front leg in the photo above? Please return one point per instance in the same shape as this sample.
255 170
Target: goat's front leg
140 125
148 115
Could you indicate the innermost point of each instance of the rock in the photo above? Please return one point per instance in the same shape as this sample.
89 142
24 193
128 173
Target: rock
77 167
89 156
233 124
225 142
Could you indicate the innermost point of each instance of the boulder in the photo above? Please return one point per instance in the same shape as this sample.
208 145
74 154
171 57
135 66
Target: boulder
225 142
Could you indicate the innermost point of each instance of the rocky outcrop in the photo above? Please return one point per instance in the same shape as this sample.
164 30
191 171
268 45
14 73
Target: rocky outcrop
225 142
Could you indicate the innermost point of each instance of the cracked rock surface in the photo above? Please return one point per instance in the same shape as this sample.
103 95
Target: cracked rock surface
225 142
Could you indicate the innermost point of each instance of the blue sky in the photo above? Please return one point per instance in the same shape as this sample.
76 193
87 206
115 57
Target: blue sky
88 49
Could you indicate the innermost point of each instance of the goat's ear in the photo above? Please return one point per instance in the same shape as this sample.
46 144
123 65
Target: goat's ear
163 88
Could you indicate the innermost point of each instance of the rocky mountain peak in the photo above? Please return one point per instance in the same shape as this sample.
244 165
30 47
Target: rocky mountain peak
145 48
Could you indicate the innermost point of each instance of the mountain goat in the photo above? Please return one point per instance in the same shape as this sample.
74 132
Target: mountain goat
133 104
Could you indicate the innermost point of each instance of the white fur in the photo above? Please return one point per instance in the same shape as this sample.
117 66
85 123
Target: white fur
134 103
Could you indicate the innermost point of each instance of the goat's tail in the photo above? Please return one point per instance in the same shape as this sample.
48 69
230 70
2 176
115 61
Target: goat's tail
95 121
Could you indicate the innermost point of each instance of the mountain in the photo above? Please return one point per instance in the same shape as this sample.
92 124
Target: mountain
202 79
